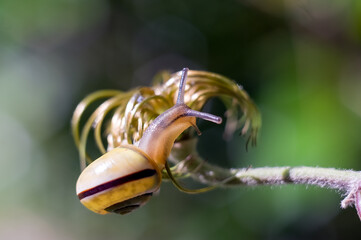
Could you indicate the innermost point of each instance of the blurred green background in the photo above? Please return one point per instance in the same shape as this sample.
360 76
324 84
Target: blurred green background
299 60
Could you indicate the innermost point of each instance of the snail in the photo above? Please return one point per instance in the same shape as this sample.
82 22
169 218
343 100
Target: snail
125 178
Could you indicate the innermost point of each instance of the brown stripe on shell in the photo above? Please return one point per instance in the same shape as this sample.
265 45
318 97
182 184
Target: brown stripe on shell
116 182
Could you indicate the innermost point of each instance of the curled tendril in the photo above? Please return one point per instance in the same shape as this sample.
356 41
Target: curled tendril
130 113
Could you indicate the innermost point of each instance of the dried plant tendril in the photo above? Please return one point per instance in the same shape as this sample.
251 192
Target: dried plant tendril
131 112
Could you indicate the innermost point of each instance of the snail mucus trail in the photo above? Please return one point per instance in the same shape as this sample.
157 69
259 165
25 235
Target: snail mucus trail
124 178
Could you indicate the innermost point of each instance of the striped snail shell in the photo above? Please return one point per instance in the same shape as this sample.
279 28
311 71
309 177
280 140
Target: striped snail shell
119 181
124 178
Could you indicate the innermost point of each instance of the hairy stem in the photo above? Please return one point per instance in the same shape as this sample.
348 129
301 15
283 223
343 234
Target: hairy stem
345 181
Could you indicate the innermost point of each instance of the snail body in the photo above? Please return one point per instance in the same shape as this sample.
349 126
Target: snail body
124 178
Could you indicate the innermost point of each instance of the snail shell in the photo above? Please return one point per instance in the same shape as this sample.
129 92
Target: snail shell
119 181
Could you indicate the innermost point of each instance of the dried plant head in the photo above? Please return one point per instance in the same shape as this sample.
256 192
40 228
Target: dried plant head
124 116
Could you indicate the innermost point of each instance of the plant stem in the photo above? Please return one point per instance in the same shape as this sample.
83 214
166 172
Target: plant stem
345 181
